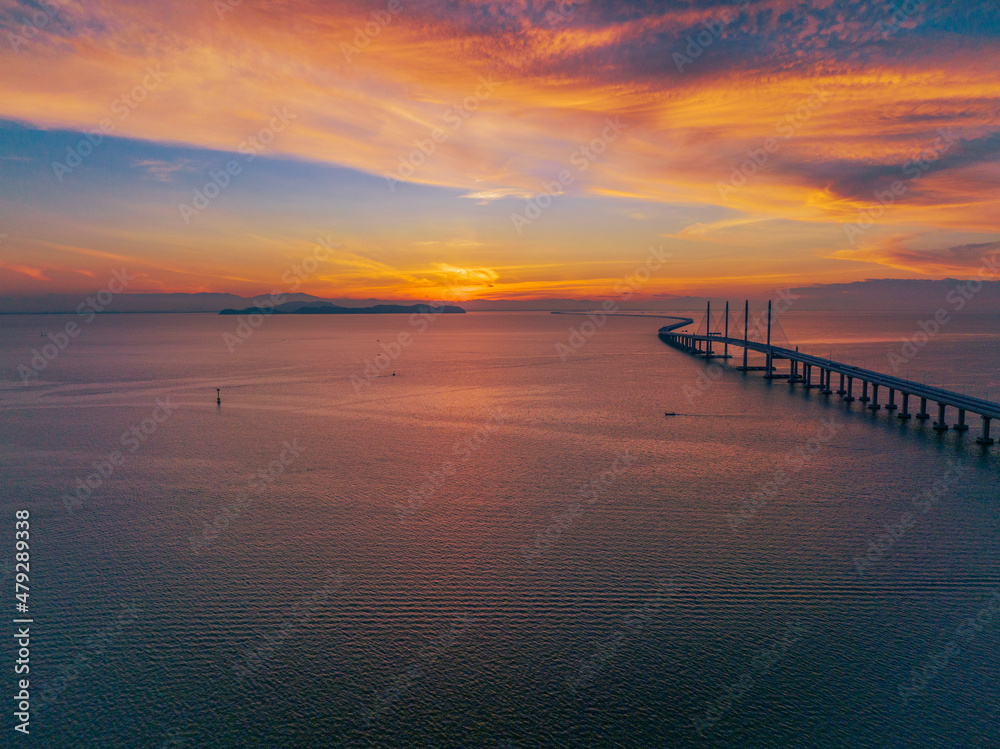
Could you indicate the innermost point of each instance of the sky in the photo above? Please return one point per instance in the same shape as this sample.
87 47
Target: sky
426 149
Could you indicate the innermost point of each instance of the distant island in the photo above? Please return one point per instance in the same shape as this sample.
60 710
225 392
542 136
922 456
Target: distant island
328 308
873 295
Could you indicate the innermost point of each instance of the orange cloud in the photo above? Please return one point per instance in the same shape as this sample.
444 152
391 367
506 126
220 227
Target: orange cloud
893 253
826 108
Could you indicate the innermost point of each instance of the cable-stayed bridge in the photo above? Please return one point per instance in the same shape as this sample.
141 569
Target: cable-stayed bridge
758 334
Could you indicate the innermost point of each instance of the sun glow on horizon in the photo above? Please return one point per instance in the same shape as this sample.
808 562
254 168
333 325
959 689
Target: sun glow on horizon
417 143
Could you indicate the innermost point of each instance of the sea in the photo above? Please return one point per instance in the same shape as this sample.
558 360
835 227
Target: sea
483 530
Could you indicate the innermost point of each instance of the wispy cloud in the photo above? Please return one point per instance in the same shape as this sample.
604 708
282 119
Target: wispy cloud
891 88
163 171
894 253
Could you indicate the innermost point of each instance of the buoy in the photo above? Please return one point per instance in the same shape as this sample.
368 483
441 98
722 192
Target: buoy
393 374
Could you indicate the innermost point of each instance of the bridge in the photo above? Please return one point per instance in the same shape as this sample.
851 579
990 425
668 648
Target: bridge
803 368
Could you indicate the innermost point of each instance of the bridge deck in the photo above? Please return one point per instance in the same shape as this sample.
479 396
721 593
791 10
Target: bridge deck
920 390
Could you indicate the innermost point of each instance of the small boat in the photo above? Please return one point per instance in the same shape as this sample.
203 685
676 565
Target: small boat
669 413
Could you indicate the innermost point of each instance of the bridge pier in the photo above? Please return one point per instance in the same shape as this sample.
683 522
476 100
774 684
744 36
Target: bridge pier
905 413
801 367
746 323
770 366
891 405
941 425
985 438
826 382
725 351
770 351
874 406
708 330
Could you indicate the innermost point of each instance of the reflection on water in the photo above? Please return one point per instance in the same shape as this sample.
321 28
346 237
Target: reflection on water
417 571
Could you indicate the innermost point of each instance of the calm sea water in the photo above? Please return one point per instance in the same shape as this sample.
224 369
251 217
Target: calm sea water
494 547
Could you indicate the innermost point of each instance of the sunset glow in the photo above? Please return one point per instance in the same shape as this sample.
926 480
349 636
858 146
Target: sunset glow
498 150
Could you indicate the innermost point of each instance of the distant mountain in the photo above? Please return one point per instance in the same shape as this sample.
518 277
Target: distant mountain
155 302
886 294
137 302
327 308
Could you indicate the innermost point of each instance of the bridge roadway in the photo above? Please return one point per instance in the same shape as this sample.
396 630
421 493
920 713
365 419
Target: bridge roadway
701 345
